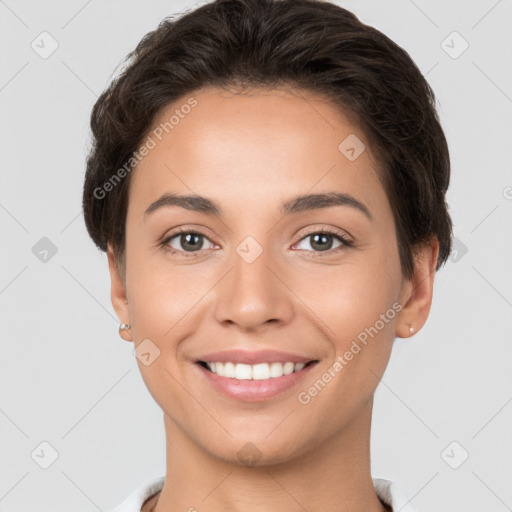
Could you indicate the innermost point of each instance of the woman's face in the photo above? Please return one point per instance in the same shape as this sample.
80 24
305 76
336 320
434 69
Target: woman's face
260 276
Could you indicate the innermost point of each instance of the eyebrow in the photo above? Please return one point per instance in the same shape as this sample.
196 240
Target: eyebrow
296 204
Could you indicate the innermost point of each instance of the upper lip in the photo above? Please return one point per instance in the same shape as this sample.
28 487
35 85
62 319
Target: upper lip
254 357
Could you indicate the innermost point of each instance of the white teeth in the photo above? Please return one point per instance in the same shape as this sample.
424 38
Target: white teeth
261 371
288 368
229 370
276 370
243 371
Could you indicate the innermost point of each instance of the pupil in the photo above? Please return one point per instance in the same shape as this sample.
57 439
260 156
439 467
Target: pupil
322 237
186 239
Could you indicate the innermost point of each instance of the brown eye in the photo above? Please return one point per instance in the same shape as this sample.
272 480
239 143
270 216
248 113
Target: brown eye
322 241
186 242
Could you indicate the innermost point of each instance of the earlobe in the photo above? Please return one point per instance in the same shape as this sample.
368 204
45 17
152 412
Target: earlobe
118 294
417 291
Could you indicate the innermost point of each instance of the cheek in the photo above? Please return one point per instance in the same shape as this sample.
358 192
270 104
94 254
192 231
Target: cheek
358 306
160 292
353 296
162 310
161 303
357 310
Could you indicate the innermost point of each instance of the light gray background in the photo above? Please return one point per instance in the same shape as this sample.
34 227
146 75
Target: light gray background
67 379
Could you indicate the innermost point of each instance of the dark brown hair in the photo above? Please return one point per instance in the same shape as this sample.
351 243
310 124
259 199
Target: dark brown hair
313 45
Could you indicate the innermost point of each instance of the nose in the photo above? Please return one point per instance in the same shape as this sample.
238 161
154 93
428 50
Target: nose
254 294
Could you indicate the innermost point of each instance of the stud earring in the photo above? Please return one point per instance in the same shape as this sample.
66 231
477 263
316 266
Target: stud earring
124 327
411 329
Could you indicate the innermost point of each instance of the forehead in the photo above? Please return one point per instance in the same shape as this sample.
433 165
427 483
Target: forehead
253 147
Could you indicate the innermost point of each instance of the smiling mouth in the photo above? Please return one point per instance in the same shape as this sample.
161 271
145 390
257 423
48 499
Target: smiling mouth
261 371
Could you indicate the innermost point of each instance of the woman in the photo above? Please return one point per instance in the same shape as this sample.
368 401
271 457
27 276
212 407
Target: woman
268 180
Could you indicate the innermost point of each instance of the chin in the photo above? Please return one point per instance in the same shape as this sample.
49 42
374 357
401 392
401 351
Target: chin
256 451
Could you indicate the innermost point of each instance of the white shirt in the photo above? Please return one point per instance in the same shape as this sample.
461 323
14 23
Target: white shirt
389 492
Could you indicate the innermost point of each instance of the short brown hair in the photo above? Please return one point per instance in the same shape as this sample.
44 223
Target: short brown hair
310 44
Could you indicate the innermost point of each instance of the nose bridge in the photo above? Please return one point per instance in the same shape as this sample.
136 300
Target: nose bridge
251 294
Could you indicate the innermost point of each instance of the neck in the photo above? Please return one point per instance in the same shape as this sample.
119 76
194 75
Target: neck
332 476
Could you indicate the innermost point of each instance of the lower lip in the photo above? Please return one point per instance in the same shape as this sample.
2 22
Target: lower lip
255 390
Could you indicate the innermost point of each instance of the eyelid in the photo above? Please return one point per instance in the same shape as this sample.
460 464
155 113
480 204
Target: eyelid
184 230
346 241
344 235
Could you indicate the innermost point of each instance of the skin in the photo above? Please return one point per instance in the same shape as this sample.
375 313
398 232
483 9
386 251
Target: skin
250 152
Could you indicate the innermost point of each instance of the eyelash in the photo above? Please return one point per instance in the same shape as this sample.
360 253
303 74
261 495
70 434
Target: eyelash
346 242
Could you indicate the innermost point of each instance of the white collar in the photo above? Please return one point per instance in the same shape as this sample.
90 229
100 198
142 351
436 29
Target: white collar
389 492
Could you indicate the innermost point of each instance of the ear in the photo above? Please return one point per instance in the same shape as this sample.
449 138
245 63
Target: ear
416 296
118 293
